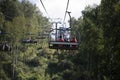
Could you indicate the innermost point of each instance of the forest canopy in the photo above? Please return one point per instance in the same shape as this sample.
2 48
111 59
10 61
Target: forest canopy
97 58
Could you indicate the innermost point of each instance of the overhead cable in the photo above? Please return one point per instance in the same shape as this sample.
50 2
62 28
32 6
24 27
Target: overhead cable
44 7
66 10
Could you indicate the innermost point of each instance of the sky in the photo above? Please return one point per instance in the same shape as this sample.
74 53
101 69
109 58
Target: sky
57 8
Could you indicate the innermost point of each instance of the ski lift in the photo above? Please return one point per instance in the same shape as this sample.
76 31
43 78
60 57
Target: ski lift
29 40
5 47
63 38
42 35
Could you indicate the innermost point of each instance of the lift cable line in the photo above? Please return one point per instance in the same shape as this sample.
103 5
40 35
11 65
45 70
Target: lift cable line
44 7
61 38
64 39
66 11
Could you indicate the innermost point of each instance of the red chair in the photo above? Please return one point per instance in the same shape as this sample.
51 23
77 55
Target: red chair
73 40
60 40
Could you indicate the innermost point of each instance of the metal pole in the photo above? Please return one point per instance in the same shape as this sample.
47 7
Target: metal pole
70 24
56 24
56 31
70 19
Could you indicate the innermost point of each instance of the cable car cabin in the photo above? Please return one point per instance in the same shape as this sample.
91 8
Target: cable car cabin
5 47
62 39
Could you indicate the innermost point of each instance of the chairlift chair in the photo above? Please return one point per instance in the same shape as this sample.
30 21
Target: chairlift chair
29 41
42 35
5 47
62 39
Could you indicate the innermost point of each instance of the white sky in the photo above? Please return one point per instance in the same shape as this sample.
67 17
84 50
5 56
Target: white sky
56 8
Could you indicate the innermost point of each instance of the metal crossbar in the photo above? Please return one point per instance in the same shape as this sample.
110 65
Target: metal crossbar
64 43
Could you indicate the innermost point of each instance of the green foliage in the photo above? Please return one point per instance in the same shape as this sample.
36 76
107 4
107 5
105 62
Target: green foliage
97 58
19 20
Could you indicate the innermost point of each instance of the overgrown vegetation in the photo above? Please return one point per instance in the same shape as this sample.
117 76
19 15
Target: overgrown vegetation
97 58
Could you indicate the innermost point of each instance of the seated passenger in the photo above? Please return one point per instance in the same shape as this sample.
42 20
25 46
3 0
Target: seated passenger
73 40
28 40
60 39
